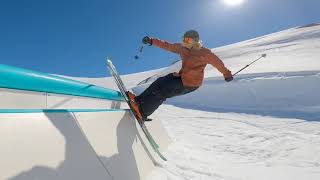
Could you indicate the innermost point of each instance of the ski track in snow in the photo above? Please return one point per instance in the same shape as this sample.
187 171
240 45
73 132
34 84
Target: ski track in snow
231 146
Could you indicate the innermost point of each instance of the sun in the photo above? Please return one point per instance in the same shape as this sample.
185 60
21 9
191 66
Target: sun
233 2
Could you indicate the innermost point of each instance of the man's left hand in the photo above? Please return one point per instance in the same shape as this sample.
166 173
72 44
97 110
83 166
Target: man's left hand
228 79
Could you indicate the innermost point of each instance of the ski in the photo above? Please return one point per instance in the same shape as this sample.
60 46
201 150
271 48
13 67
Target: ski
123 91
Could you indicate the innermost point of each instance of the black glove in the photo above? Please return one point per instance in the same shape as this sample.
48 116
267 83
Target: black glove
228 79
147 40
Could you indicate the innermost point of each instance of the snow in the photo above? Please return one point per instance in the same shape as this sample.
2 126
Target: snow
210 145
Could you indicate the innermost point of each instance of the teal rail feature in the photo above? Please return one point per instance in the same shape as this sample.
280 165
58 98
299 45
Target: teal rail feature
23 79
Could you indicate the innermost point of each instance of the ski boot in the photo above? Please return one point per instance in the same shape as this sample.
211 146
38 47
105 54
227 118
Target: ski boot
135 107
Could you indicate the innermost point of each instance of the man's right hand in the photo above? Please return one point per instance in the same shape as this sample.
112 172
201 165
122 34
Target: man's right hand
147 40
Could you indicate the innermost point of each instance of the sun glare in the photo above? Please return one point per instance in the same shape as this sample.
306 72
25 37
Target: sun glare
233 2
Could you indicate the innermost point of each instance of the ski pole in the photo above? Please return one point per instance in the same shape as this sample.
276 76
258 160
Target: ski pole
262 56
140 52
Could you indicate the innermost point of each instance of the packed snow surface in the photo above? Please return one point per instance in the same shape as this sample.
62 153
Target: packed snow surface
233 146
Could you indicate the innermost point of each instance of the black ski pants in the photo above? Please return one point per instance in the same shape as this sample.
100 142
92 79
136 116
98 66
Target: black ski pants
161 89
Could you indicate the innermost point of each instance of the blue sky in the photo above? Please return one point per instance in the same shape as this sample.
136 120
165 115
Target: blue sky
74 37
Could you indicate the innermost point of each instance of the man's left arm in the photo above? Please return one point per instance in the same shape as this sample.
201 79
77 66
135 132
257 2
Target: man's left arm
219 65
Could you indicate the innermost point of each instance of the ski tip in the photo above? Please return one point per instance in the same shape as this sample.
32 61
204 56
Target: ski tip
109 59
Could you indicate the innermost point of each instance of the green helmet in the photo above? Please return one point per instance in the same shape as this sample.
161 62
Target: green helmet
192 34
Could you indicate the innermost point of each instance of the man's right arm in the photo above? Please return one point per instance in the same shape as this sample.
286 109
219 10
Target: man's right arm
175 48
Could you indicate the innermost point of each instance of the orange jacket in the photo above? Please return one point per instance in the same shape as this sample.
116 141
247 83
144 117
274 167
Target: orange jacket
194 62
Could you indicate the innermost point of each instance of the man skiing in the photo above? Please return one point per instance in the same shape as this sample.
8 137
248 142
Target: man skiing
190 77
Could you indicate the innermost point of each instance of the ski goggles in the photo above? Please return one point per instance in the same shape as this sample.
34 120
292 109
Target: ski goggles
188 40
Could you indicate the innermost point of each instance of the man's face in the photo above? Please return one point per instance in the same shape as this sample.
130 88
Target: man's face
187 42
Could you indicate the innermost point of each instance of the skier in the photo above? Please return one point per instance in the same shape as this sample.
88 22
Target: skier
194 60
